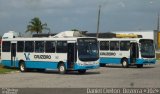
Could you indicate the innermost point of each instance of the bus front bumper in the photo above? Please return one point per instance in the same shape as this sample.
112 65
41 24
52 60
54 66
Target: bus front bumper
85 67
146 61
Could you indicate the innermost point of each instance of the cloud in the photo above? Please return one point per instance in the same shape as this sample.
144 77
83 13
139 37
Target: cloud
66 14
122 4
3 15
34 5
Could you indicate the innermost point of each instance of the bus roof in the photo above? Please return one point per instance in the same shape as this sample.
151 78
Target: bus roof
125 39
42 38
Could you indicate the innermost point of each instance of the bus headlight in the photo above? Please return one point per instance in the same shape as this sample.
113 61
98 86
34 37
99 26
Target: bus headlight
97 63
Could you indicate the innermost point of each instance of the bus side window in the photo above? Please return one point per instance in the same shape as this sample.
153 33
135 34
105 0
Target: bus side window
61 47
104 45
39 46
124 45
20 46
6 45
114 45
29 46
50 46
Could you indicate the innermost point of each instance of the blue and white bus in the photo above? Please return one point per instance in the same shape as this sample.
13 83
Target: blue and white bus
65 54
127 51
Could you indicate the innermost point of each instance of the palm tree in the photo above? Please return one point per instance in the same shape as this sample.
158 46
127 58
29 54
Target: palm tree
35 25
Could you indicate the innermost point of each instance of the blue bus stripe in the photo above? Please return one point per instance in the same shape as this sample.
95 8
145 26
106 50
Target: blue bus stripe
44 65
107 60
110 60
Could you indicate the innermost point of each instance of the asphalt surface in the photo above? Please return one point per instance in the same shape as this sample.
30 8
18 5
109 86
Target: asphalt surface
111 76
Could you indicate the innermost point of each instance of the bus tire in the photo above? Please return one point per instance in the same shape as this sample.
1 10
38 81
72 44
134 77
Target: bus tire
22 67
81 71
125 63
139 65
62 68
102 65
41 70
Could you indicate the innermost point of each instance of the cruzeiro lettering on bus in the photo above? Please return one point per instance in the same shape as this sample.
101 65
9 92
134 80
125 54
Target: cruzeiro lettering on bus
42 56
108 53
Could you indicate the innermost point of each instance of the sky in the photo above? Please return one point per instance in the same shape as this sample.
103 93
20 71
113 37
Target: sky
63 15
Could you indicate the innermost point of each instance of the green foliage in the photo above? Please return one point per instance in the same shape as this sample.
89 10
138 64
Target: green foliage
36 26
4 70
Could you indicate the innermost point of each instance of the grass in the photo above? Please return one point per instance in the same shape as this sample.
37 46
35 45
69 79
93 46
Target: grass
4 70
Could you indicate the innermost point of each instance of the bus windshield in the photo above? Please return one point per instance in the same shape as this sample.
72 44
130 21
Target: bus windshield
88 49
147 48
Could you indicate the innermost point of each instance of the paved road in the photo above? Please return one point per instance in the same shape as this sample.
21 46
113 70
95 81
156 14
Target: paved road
108 77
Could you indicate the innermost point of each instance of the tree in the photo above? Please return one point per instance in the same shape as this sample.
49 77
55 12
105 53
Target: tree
36 26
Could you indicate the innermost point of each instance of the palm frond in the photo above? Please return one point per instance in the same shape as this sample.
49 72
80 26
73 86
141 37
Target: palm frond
35 25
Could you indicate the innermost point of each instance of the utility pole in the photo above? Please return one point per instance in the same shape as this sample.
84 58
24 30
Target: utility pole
158 23
98 22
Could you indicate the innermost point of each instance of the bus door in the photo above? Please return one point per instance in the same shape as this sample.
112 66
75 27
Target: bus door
71 55
134 53
13 54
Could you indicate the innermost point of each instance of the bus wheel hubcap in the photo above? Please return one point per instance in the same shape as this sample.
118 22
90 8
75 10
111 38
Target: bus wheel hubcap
124 63
22 67
61 68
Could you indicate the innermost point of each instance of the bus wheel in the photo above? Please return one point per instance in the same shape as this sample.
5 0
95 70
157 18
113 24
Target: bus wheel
125 63
22 67
81 71
41 70
62 68
102 65
139 65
